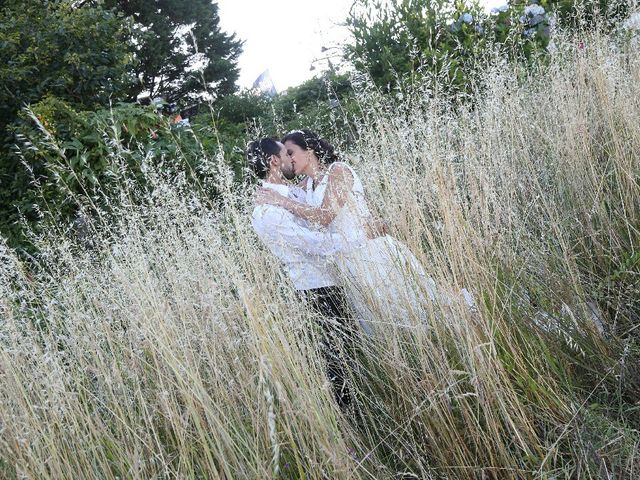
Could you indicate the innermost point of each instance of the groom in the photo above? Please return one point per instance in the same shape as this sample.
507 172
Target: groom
306 255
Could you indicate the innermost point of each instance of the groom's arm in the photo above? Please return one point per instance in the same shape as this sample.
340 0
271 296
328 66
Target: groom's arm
276 225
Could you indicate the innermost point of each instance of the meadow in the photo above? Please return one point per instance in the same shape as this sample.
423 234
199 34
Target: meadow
167 342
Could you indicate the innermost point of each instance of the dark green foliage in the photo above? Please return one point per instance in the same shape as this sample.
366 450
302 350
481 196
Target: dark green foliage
182 54
449 41
79 55
408 38
328 88
584 14
52 48
70 59
325 104
242 107
84 161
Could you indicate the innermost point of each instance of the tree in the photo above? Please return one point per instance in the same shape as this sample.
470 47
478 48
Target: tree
53 49
182 54
404 38
448 39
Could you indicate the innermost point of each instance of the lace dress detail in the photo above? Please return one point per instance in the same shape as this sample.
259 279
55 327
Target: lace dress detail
385 282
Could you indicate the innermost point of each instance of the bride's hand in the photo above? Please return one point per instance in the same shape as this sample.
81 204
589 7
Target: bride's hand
267 196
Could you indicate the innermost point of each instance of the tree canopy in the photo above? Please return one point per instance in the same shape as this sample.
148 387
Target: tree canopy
65 57
181 52
53 48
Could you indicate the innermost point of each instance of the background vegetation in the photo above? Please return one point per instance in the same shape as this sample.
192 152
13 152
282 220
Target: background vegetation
75 63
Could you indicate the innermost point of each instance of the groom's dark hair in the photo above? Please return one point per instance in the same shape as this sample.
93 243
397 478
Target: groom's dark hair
259 154
308 140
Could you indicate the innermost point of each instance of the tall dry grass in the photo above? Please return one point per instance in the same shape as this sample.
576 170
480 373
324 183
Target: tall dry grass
175 347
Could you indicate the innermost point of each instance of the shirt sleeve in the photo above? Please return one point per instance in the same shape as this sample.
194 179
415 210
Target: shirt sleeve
274 224
297 193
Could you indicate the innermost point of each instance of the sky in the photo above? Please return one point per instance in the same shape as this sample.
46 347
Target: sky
287 36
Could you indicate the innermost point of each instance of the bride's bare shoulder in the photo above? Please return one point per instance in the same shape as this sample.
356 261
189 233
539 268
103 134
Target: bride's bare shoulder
340 169
340 176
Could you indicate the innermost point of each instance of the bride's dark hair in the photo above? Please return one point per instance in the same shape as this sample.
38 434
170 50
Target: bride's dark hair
259 154
308 140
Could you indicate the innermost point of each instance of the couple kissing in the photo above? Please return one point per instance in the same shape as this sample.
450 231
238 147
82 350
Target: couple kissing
337 254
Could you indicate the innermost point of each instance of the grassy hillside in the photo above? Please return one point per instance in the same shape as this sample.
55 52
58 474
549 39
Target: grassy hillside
172 345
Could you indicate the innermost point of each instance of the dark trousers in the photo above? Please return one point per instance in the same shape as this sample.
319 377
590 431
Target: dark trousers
338 335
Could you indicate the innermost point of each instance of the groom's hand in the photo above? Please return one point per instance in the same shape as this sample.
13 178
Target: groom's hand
376 227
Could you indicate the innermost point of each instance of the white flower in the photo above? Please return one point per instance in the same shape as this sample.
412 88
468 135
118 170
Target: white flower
633 22
501 8
466 17
534 10
551 48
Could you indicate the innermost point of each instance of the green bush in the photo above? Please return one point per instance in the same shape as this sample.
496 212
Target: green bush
76 161
450 41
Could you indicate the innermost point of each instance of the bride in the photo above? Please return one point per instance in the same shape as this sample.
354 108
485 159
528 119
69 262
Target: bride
383 278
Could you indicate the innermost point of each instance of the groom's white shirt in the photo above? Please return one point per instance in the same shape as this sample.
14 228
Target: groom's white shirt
304 252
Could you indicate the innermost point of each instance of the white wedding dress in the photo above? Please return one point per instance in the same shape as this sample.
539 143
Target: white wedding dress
385 282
